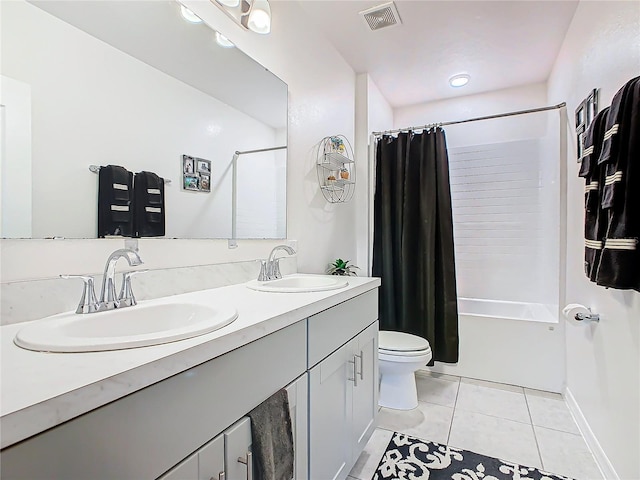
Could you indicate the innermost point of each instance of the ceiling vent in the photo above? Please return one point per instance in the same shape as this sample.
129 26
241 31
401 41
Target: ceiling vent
382 16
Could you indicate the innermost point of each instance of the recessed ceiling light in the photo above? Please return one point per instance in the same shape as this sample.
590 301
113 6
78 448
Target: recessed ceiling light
223 41
459 80
189 16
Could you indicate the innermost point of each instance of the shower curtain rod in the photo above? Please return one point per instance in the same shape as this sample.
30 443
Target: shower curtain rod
488 117
261 150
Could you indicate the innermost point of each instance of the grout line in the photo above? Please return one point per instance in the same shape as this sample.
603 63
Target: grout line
535 436
453 413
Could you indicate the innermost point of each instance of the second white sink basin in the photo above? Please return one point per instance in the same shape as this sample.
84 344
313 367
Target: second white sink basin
138 326
300 283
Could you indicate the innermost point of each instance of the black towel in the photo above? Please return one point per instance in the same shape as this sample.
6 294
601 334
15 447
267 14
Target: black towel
149 215
115 195
272 438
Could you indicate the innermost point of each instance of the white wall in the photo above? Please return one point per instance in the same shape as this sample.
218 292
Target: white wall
321 103
601 50
373 113
101 106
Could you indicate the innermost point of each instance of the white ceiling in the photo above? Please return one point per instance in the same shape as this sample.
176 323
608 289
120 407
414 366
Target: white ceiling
500 44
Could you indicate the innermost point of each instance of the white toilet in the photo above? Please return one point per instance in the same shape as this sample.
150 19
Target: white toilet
400 355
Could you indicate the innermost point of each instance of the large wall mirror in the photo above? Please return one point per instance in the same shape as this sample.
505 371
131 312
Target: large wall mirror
132 83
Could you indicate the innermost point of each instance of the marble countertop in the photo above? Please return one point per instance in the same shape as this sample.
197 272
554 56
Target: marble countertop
41 390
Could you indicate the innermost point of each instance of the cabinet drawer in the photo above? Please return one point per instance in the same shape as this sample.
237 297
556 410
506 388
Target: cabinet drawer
330 329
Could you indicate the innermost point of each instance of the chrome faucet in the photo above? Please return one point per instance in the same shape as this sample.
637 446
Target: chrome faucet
270 268
108 299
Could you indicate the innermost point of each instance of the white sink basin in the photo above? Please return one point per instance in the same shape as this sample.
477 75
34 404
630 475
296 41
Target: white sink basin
300 284
131 327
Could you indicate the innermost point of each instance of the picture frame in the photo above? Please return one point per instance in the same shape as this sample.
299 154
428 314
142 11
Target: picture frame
196 174
203 166
188 165
205 183
191 182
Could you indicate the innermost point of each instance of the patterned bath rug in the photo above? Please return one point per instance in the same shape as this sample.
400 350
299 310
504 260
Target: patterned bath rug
409 458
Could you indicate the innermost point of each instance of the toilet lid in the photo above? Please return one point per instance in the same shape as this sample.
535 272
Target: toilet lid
401 342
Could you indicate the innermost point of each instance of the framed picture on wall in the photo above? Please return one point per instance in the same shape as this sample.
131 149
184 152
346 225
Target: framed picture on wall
205 183
203 166
191 182
196 174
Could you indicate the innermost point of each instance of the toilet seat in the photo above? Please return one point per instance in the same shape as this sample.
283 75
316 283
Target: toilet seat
405 344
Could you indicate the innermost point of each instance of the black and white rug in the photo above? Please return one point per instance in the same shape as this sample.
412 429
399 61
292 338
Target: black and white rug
409 458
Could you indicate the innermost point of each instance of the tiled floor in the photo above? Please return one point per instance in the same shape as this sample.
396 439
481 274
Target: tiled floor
516 424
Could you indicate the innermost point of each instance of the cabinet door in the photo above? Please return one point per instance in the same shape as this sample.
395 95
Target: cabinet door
330 403
365 390
237 451
211 460
185 470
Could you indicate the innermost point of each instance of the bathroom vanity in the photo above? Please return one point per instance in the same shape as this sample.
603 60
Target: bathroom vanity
178 410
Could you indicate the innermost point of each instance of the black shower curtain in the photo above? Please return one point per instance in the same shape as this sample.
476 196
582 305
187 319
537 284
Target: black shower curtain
413 240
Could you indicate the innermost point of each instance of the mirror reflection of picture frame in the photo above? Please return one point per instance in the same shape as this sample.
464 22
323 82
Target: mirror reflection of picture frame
196 174
205 183
203 166
188 165
191 183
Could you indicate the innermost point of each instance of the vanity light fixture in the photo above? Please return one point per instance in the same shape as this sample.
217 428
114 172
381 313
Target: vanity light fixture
189 16
224 41
254 15
459 80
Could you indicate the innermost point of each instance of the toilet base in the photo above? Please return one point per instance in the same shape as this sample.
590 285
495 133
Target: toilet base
398 391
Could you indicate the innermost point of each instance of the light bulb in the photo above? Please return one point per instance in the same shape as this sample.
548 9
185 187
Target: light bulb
223 41
459 80
189 16
260 17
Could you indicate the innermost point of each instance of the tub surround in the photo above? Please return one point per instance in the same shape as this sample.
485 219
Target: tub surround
42 390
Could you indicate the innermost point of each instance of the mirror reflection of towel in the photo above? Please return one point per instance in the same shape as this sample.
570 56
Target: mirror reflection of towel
272 438
115 196
149 217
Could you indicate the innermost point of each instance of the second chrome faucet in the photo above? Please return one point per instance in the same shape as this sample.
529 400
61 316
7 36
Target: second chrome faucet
270 268
108 299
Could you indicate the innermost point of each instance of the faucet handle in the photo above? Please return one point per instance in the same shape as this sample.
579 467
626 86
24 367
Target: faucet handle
263 271
88 301
275 272
126 297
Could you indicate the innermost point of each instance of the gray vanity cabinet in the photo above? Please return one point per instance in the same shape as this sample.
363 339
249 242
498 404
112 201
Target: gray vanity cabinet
208 463
343 385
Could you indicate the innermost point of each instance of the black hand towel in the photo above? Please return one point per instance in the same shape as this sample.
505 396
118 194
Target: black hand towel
115 196
149 205
272 438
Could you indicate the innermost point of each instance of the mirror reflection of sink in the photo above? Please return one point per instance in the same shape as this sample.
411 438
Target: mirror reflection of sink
139 326
300 284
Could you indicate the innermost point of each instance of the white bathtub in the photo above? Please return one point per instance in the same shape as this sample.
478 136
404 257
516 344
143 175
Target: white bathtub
509 342
532 312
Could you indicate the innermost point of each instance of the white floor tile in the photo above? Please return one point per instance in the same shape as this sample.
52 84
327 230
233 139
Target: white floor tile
498 400
369 459
496 437
427 422
438 389
566 454
550 410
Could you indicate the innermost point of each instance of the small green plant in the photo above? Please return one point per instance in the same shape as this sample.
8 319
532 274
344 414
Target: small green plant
340 267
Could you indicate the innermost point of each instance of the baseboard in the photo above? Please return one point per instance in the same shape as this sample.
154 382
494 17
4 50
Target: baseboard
606 468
